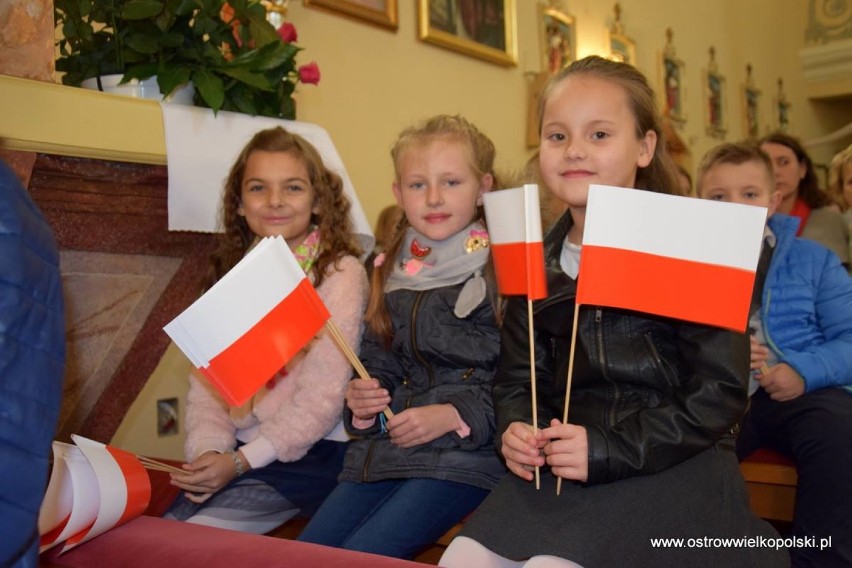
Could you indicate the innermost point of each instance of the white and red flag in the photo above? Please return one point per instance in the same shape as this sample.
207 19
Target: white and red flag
514 231
93 488
679 257
251 322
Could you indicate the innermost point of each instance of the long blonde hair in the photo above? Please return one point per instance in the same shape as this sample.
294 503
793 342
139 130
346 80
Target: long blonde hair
835 176
337 237
481 153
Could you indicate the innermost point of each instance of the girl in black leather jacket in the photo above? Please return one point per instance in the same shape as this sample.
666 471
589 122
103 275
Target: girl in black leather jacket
648 449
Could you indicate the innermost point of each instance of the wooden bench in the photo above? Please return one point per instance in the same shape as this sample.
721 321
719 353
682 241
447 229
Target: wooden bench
771 482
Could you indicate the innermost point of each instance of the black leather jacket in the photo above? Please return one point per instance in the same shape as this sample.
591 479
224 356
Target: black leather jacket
651 391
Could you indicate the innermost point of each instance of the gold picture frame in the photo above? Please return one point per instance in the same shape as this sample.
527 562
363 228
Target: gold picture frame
558 33
445 24
382 13
621 47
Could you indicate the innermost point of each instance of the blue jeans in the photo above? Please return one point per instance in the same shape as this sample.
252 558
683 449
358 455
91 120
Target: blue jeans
397 517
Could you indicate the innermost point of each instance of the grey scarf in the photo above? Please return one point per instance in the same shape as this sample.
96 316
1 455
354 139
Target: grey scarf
424 264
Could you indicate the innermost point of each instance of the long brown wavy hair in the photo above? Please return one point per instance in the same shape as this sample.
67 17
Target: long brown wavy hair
481 153
660 175
337 237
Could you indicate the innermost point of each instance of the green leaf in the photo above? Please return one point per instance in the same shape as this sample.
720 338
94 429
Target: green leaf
182 7
141 9
274 55
172 39
140 72
85 7
142 43
256 80
210 87
169 77
69 29
241 101
262 31
288 108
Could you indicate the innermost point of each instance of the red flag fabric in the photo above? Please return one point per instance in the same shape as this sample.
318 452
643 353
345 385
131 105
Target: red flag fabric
679 257
514 232
252 322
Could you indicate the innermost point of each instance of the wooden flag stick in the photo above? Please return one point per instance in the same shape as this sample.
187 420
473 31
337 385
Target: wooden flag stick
149 463
533 383
353 359
568 379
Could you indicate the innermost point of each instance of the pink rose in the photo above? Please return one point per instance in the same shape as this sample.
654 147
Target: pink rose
287 33
309 73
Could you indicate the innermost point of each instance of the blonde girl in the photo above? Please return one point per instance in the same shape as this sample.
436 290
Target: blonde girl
431 349
840 185
649 447
252 468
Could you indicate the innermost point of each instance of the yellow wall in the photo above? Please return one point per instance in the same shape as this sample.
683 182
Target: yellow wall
375 82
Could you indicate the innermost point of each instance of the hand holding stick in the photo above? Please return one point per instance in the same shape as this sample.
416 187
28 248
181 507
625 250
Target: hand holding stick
338 338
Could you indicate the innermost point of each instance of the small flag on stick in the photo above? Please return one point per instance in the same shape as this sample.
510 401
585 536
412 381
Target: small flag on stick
251 322
93 488
518 253
514 230
679 257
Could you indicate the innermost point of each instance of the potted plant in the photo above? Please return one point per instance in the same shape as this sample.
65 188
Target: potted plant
233 57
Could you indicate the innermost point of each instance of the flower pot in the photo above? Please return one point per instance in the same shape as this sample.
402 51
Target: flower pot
146 89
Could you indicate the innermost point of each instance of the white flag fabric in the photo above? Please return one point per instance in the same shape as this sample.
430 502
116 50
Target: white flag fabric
680 257
248 325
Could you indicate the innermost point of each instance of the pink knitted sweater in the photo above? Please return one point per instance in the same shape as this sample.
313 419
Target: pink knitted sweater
285 418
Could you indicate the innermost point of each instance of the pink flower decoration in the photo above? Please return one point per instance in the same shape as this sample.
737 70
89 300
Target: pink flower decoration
309 73
379 260
287 33
413 266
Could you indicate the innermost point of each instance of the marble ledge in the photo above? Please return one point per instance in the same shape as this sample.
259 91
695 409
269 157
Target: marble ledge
37 116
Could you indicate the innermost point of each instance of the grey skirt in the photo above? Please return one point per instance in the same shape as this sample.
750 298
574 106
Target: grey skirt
613 524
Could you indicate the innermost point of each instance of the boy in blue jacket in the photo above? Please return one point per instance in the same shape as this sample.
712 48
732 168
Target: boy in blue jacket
801 357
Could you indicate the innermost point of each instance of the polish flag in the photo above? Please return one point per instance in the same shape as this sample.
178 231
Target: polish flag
514 230
93 488
679 257
251 322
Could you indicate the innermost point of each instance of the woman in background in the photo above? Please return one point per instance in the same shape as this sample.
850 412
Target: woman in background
802 197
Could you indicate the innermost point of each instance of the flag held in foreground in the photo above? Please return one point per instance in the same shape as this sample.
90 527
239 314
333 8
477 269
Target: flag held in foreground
252 322
514 230
93 488
679 257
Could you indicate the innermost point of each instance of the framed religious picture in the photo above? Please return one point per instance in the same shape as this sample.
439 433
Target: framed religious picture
751 106
715 99
621 47
558 39
485 29
381 13
673 91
